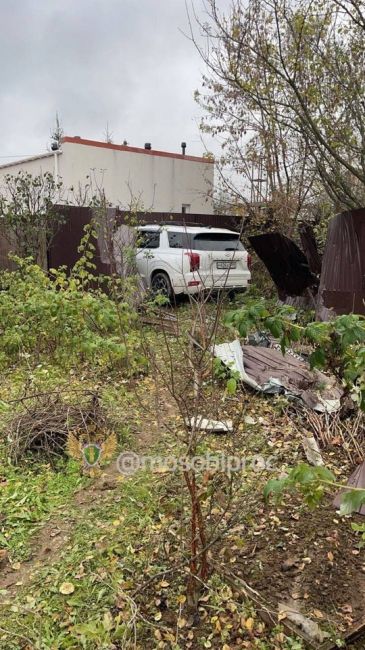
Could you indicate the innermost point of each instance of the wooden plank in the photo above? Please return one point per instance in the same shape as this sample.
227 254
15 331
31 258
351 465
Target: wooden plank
270 617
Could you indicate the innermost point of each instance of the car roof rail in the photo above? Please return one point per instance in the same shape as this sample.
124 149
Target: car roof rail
194 224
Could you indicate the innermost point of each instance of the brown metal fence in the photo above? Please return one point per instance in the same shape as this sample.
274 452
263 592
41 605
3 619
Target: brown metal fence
64 248
5 249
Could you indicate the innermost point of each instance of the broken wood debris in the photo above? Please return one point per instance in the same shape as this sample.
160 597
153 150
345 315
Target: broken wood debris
269 371
165 322
209 425
312 451
311 629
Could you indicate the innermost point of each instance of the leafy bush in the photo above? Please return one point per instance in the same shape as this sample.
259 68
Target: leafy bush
51 314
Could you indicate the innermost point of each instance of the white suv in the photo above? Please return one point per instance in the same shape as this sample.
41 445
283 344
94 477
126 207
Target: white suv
175 259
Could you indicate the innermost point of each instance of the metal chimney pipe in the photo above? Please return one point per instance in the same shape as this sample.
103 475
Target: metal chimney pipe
183 148
148 146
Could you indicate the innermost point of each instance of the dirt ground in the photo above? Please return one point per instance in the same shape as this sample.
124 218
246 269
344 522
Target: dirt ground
311 560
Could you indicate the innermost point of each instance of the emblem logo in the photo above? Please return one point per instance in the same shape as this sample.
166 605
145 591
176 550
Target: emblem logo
91 448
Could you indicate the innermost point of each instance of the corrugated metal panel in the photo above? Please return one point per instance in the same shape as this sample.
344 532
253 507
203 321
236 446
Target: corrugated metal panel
64 248
342 284
5 249
286 263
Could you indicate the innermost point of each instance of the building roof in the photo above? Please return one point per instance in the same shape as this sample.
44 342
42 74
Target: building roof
28 159
108 145
121 147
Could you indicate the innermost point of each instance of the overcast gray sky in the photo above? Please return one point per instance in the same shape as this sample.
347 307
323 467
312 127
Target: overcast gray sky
124 62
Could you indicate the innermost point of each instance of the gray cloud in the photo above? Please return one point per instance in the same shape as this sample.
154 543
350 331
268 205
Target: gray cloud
125 62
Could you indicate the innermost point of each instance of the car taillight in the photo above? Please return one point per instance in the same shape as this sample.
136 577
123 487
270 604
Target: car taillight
249 261
194 259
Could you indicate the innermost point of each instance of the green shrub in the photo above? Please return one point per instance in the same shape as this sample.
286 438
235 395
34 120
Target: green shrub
51 314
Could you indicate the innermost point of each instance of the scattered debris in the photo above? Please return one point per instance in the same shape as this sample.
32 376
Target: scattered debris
309 627
162 320
232 356
312 451
259 338
214 426
269 371
249 420
356 480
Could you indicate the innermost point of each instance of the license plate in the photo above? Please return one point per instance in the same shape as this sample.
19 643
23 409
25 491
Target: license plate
226 265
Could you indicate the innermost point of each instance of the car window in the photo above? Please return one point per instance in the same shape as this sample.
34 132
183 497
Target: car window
217 242
148 239
179 239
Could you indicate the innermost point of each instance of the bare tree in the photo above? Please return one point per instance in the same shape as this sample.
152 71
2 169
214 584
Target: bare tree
284 96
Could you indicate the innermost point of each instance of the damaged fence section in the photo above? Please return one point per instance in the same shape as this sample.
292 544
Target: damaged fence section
333 285
342 288
286 263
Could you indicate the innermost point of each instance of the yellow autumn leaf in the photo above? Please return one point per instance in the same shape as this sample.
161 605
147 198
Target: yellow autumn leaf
66 588
249 623
164 584
158 616
181 599
330 556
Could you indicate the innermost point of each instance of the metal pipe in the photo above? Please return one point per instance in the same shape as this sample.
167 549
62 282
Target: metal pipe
56 154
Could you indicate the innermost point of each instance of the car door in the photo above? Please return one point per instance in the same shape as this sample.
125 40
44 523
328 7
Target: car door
147 244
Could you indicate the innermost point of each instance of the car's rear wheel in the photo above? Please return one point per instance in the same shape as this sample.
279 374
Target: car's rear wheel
161 285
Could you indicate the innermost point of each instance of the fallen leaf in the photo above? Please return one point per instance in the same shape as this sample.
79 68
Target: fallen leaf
66 588
249 623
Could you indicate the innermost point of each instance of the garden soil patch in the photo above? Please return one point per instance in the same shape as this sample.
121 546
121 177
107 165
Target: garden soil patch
311 558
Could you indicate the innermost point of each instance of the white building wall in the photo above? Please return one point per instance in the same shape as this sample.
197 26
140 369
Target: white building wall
143 180
35 166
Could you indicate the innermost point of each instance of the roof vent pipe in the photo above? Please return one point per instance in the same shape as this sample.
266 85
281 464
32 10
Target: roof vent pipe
148 146
183 148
